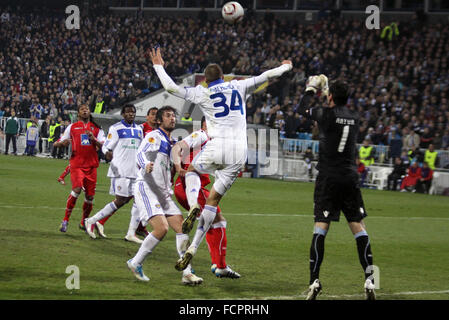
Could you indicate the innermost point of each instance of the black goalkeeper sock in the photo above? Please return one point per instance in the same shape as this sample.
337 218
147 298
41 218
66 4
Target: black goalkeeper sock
316 253
364 250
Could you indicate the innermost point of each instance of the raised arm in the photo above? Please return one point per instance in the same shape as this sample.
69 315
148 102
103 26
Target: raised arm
179 151
166 81
251 84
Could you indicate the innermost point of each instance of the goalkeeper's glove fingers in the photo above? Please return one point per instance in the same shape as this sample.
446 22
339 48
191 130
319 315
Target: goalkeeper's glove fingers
313 84
324 84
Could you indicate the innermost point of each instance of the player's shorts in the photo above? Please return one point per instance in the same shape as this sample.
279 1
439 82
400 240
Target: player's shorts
151 204
84 178
222 159
181 196
123 187
333 195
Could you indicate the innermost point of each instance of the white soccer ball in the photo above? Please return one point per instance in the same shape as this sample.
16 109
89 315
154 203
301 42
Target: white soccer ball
232 12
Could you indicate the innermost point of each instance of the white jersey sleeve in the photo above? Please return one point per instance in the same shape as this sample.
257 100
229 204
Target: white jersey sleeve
66 134
196 139
150 145
111 140
100 136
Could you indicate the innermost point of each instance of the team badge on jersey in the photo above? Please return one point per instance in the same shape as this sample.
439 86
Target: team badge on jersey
194 135
85 141
151 140
110 136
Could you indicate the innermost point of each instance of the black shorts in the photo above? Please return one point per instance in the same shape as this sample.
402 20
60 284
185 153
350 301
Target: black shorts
333 195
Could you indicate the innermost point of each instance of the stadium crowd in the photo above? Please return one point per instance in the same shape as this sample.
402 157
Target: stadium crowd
400 86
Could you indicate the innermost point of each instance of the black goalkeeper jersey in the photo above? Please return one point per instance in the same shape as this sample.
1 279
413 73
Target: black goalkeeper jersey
338 128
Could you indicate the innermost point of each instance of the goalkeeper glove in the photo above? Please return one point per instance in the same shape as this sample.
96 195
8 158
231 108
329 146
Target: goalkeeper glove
324 84
313 84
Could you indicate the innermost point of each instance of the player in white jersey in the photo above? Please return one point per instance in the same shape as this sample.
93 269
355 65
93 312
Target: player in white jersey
153 195
224 106
121 146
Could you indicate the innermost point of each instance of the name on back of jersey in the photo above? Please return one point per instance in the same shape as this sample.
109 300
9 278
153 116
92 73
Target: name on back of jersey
345 121
220 88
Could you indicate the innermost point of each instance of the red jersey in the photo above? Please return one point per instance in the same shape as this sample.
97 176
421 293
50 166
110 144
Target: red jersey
146 128
84 152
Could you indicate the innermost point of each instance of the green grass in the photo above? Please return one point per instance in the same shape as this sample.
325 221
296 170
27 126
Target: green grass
270 226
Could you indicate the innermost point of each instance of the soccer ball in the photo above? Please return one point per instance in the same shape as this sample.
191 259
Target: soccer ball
232 12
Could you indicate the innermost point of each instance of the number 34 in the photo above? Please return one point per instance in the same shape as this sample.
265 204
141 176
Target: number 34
222 103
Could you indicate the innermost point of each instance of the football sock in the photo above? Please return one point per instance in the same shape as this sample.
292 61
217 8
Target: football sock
316 253
71 201
145 249
65 173
134 221
206 219
107 211
217 243
87 209
364 250
182 243
193 186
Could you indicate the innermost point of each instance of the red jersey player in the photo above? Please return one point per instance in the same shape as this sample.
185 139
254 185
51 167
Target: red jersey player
151 123
183 153
86 137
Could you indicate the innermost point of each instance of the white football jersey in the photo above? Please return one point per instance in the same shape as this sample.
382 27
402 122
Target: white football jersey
156 148
123 140
224 106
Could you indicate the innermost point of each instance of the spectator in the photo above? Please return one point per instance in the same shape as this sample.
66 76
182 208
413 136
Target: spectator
426 138
411 140
308 158
395 143
291 125
425 180
362 171
32 136
187 117
12 132
44 135
399 171
410 180
431 157
366 153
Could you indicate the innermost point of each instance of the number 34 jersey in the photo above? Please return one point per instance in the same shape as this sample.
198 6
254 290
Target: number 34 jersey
224 106
338 128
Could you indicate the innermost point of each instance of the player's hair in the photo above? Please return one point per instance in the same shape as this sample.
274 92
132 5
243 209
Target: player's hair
213 72
203 119
149 110
340 92
161 111
128 105
91 119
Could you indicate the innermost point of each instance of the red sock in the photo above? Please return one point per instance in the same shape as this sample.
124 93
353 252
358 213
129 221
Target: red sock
66 172
71 201
210 239
222 242
103 221
87 209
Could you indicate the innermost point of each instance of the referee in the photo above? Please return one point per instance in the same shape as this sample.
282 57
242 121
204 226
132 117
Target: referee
337 185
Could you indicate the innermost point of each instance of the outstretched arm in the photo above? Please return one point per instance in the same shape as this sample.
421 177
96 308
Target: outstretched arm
166 81
251 84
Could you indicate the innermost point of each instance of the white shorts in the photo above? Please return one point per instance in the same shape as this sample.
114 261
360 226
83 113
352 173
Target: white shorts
223 159
150 204
122 187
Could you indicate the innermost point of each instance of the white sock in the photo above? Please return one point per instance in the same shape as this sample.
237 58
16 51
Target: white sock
134 221
108 209
182 243
193 186
206 219
145 249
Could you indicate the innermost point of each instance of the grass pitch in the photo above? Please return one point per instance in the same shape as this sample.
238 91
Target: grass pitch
269 231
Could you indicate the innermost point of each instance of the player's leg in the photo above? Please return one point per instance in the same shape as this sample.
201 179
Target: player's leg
148 205
325 195
134 223
192 189
64 174
89 184
77 183
355 212
160 228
